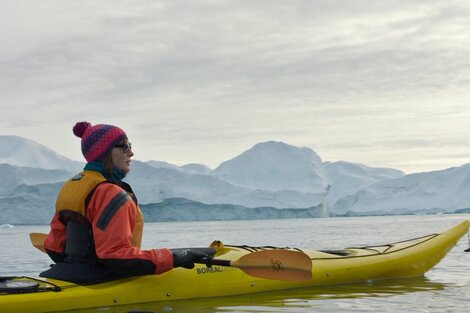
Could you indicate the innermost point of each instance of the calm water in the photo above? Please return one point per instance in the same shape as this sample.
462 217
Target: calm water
446 288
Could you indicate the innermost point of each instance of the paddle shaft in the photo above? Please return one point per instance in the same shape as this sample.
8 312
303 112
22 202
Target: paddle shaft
219 262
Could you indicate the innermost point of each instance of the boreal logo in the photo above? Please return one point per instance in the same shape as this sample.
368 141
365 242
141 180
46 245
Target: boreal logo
277 266
214 270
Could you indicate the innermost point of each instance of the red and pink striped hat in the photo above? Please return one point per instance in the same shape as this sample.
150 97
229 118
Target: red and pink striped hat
98 140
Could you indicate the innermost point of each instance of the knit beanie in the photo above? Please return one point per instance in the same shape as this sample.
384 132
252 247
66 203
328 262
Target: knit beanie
97 140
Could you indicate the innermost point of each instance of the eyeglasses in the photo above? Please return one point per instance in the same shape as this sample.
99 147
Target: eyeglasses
126 147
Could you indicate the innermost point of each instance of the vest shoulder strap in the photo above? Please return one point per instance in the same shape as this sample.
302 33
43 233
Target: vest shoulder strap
77 192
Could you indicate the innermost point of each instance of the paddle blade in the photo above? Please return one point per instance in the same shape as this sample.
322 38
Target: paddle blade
284 265
37 239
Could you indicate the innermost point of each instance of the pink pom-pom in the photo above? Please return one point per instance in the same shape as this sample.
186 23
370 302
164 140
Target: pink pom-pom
80 127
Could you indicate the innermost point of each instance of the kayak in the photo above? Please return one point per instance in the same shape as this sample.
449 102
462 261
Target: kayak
401 259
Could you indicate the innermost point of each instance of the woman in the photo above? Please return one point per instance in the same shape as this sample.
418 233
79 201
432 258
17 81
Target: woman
96 231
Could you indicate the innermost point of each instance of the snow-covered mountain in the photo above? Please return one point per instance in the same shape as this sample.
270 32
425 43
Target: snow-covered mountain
162 164
192 168
275 166
14 176
20 151
271 179
432 192
196 168
154 185
348 178
29 204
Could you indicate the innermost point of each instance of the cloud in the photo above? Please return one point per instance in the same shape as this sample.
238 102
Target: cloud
207 73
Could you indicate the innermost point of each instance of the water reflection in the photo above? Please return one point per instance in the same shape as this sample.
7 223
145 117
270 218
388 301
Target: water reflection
297 300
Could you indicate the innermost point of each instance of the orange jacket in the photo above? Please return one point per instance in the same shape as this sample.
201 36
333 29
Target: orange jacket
116 224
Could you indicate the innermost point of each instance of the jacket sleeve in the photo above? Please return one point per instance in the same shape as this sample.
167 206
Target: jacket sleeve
113 215
55 241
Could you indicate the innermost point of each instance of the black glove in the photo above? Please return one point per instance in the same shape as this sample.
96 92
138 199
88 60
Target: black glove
186 257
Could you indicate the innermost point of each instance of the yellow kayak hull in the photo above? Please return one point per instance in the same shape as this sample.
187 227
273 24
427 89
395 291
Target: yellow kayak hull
403 259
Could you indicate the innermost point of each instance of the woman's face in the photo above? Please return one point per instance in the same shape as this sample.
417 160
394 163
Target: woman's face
121 156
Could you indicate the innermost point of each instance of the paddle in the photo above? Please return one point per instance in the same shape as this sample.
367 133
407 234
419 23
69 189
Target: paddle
286 265
37 239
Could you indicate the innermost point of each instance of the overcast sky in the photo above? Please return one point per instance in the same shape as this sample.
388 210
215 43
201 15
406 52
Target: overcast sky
383 83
